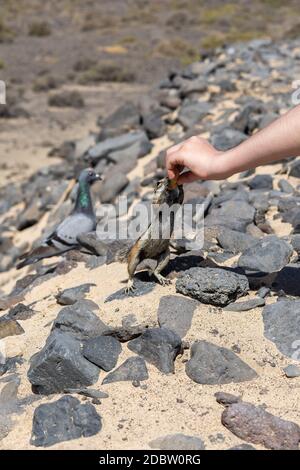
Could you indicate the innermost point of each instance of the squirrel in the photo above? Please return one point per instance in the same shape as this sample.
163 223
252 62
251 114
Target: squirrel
154 242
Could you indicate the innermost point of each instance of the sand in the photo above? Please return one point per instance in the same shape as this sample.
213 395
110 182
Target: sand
132 417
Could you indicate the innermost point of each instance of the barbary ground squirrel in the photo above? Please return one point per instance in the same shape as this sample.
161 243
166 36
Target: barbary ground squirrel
154 242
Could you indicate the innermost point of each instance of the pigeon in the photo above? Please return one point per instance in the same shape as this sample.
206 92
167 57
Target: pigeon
81 220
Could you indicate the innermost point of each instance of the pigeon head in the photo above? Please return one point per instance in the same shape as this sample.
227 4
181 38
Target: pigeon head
89 176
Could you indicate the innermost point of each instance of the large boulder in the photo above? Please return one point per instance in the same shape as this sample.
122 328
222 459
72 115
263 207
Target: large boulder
268 255
211 364
63 420
254 424
60 365
212 285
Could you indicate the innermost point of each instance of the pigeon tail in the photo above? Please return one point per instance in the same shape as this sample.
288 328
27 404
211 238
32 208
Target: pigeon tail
44 251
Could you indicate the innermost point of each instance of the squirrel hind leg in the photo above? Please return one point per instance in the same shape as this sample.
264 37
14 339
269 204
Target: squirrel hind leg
162 263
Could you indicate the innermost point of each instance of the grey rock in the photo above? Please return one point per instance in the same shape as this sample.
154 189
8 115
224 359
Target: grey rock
64 420
132 369
211 364
102 351
9 327
233 214
124 119
136 150
285 186
159 346
226 398
295 242
93 243
72 295
295 169
254 424
212 285
249 117
176 313
282 326
112 186
87 392
153 124
80 320
177 442
234 241
268 255
246 305
60 365
227 139
20 312
292 371
130 329
261 182
102 149
263 292
191 113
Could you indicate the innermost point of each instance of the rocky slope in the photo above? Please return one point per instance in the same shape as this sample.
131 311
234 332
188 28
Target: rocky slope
156 369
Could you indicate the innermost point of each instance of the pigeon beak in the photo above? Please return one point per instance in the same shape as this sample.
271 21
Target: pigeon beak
98 177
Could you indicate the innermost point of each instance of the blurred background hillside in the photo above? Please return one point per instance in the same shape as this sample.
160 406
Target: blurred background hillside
107 52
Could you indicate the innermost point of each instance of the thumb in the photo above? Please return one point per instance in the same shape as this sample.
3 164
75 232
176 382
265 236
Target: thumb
187 177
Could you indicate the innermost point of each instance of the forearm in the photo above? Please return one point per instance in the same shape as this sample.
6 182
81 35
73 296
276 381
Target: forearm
281 139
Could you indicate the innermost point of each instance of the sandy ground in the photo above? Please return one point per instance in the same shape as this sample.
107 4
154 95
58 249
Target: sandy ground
131 416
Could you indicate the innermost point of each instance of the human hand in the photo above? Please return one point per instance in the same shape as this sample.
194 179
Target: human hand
199 156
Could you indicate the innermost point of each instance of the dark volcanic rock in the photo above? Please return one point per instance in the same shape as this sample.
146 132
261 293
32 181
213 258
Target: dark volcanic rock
295 169
233 214
104 148
177 442
153 124
133 369
176 313
234 241
254 424
60 365
212 285
88 392
227 139
159 346
124 119
246 305
112 186
9 327
63 420
292 371
226 398
72 295
80 320
191 112
269 255
102 351
282 326
211 364
261 182
20 312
